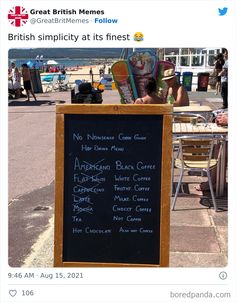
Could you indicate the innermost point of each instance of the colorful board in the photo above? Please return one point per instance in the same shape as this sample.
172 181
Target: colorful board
124 82
143 67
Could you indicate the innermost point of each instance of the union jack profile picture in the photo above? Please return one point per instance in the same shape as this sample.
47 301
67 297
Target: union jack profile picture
18 16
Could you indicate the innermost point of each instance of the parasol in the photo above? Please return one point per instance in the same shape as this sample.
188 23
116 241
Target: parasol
52 62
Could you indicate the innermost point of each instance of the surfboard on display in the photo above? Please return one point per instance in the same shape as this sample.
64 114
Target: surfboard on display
143 67
124 82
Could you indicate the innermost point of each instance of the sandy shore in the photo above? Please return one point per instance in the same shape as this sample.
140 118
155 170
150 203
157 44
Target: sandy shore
83 73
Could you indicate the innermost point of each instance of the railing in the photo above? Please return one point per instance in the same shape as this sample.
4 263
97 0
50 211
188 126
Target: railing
95 80
84 77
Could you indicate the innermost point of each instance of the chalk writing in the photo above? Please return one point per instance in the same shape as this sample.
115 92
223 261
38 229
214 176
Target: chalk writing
113 184
86 166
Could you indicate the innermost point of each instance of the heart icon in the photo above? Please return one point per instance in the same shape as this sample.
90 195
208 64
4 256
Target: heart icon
12 292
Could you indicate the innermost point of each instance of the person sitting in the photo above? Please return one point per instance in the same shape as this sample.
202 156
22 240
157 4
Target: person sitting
222 119
14 80
151 97
175 89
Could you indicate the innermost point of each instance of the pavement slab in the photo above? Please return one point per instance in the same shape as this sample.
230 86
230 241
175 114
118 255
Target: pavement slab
222 235
29 216
194 239
187 259
187 215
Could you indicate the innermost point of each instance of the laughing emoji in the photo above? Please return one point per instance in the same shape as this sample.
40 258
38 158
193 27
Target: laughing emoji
138 36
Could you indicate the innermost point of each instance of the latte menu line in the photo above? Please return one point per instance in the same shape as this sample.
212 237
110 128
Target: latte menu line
113 166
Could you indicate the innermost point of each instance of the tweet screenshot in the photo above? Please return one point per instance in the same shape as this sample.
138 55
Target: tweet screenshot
117 179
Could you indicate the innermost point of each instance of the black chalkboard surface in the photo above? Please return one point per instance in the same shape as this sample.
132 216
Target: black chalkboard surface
112 189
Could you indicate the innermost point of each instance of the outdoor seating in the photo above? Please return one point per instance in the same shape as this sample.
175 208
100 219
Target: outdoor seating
52 84
205 111
208 130
185 117
196 155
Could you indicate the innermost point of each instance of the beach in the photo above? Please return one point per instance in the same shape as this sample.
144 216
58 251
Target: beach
81 73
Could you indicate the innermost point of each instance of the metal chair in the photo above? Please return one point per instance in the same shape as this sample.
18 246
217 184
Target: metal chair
196 155
183 117
51 85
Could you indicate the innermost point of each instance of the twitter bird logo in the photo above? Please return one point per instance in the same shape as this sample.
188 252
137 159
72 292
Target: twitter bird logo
222 11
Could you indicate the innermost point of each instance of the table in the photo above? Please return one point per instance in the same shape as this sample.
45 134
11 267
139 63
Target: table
180 129
209 129
194 103
205 111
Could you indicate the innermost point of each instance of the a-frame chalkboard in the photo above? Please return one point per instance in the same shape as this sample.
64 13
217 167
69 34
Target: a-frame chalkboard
113 179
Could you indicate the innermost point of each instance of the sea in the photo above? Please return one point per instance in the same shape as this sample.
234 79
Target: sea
63 63
71 57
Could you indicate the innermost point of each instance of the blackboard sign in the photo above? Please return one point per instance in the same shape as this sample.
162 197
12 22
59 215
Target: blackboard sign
111 211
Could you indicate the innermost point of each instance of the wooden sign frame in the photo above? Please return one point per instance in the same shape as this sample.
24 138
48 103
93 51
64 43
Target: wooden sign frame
166 112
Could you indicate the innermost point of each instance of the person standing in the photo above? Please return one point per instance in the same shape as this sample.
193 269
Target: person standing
91 72
224 81
218 66
27 81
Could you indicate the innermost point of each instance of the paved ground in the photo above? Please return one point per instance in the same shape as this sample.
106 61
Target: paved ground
198 234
